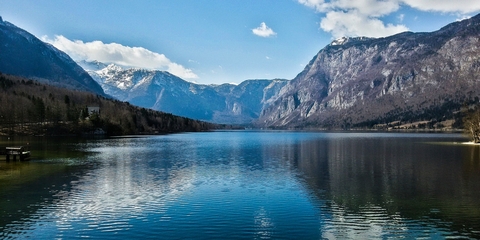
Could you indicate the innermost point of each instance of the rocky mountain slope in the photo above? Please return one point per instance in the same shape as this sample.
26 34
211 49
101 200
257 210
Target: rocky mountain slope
355 82
160 90
22 54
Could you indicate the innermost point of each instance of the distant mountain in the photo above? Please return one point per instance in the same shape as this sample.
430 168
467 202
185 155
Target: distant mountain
363 82
160 90
23 54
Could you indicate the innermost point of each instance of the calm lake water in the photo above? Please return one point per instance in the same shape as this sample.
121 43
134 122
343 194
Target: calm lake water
244 185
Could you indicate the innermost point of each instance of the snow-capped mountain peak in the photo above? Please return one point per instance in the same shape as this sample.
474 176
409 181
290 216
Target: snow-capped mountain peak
345 40
91 66
166 92
112 68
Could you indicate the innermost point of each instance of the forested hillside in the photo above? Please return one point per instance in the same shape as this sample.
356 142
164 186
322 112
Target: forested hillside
33 108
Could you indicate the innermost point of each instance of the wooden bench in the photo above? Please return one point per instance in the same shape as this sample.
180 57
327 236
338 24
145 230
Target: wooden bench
20 151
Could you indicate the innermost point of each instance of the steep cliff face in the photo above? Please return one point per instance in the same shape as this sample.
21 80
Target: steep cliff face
244 102
358 80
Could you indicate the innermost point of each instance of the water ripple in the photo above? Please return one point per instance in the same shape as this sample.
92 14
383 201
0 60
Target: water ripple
260 186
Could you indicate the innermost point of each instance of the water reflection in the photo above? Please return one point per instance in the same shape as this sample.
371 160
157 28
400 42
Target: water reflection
163 186
256 185
381 186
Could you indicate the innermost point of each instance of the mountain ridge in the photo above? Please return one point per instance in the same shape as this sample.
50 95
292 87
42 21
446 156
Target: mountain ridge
23 54
163 91
360 82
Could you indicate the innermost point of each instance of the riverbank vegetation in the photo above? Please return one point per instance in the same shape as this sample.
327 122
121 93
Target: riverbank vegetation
28 107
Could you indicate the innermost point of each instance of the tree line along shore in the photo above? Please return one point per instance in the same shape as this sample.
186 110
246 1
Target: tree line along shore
28 107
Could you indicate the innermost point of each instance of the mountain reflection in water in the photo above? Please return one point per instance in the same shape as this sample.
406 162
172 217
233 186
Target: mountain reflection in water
248 185
394 183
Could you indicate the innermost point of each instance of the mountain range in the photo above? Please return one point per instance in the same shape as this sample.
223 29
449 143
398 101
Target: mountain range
160 90
352 82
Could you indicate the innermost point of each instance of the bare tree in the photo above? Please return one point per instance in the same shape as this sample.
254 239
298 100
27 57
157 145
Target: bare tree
472 125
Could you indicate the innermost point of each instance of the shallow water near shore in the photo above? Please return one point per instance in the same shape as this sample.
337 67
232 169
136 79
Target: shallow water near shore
244 185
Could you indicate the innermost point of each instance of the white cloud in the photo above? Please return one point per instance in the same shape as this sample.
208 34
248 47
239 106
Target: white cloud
136 57
353 23
362 17
457 6
263 31
318 5
356 17
371 8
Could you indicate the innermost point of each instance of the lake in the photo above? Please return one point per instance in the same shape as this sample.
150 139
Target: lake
244 185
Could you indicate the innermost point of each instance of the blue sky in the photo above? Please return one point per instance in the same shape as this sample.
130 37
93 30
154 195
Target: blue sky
221 41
